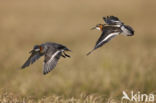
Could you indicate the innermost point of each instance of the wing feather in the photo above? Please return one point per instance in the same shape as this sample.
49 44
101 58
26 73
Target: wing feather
50 62
106 36
111 20
33 57
102 40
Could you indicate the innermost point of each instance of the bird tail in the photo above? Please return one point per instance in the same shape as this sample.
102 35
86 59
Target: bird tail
90 52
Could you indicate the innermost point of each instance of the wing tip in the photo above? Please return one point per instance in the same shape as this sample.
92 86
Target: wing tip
24 66
104 18
90 52
44 73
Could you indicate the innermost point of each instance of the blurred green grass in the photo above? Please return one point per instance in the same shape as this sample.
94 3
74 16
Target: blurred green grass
125 63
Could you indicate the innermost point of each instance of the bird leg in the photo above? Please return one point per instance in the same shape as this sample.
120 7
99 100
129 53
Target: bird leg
63 55
66 54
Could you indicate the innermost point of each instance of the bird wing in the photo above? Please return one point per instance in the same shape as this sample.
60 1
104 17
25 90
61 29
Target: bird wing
51 60
104 38
111 20
33 57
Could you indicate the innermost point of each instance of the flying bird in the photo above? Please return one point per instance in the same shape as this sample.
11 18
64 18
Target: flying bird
113 28
51 52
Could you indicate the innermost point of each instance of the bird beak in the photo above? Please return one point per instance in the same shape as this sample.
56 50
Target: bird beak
93 28
31 51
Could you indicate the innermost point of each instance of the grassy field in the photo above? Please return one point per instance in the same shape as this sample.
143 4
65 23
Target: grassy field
124 64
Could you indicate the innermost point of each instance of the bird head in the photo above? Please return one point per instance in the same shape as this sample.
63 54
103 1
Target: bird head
37 48
98 27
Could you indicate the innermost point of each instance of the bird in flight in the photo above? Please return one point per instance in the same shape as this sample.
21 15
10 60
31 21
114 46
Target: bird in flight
51 52
112 28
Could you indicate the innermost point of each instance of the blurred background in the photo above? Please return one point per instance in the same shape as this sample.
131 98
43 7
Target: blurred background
125 63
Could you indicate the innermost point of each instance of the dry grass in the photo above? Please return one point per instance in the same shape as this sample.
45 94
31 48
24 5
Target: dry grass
125 63
6 97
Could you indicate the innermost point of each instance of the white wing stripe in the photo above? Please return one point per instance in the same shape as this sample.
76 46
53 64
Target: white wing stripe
52 57
109 36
